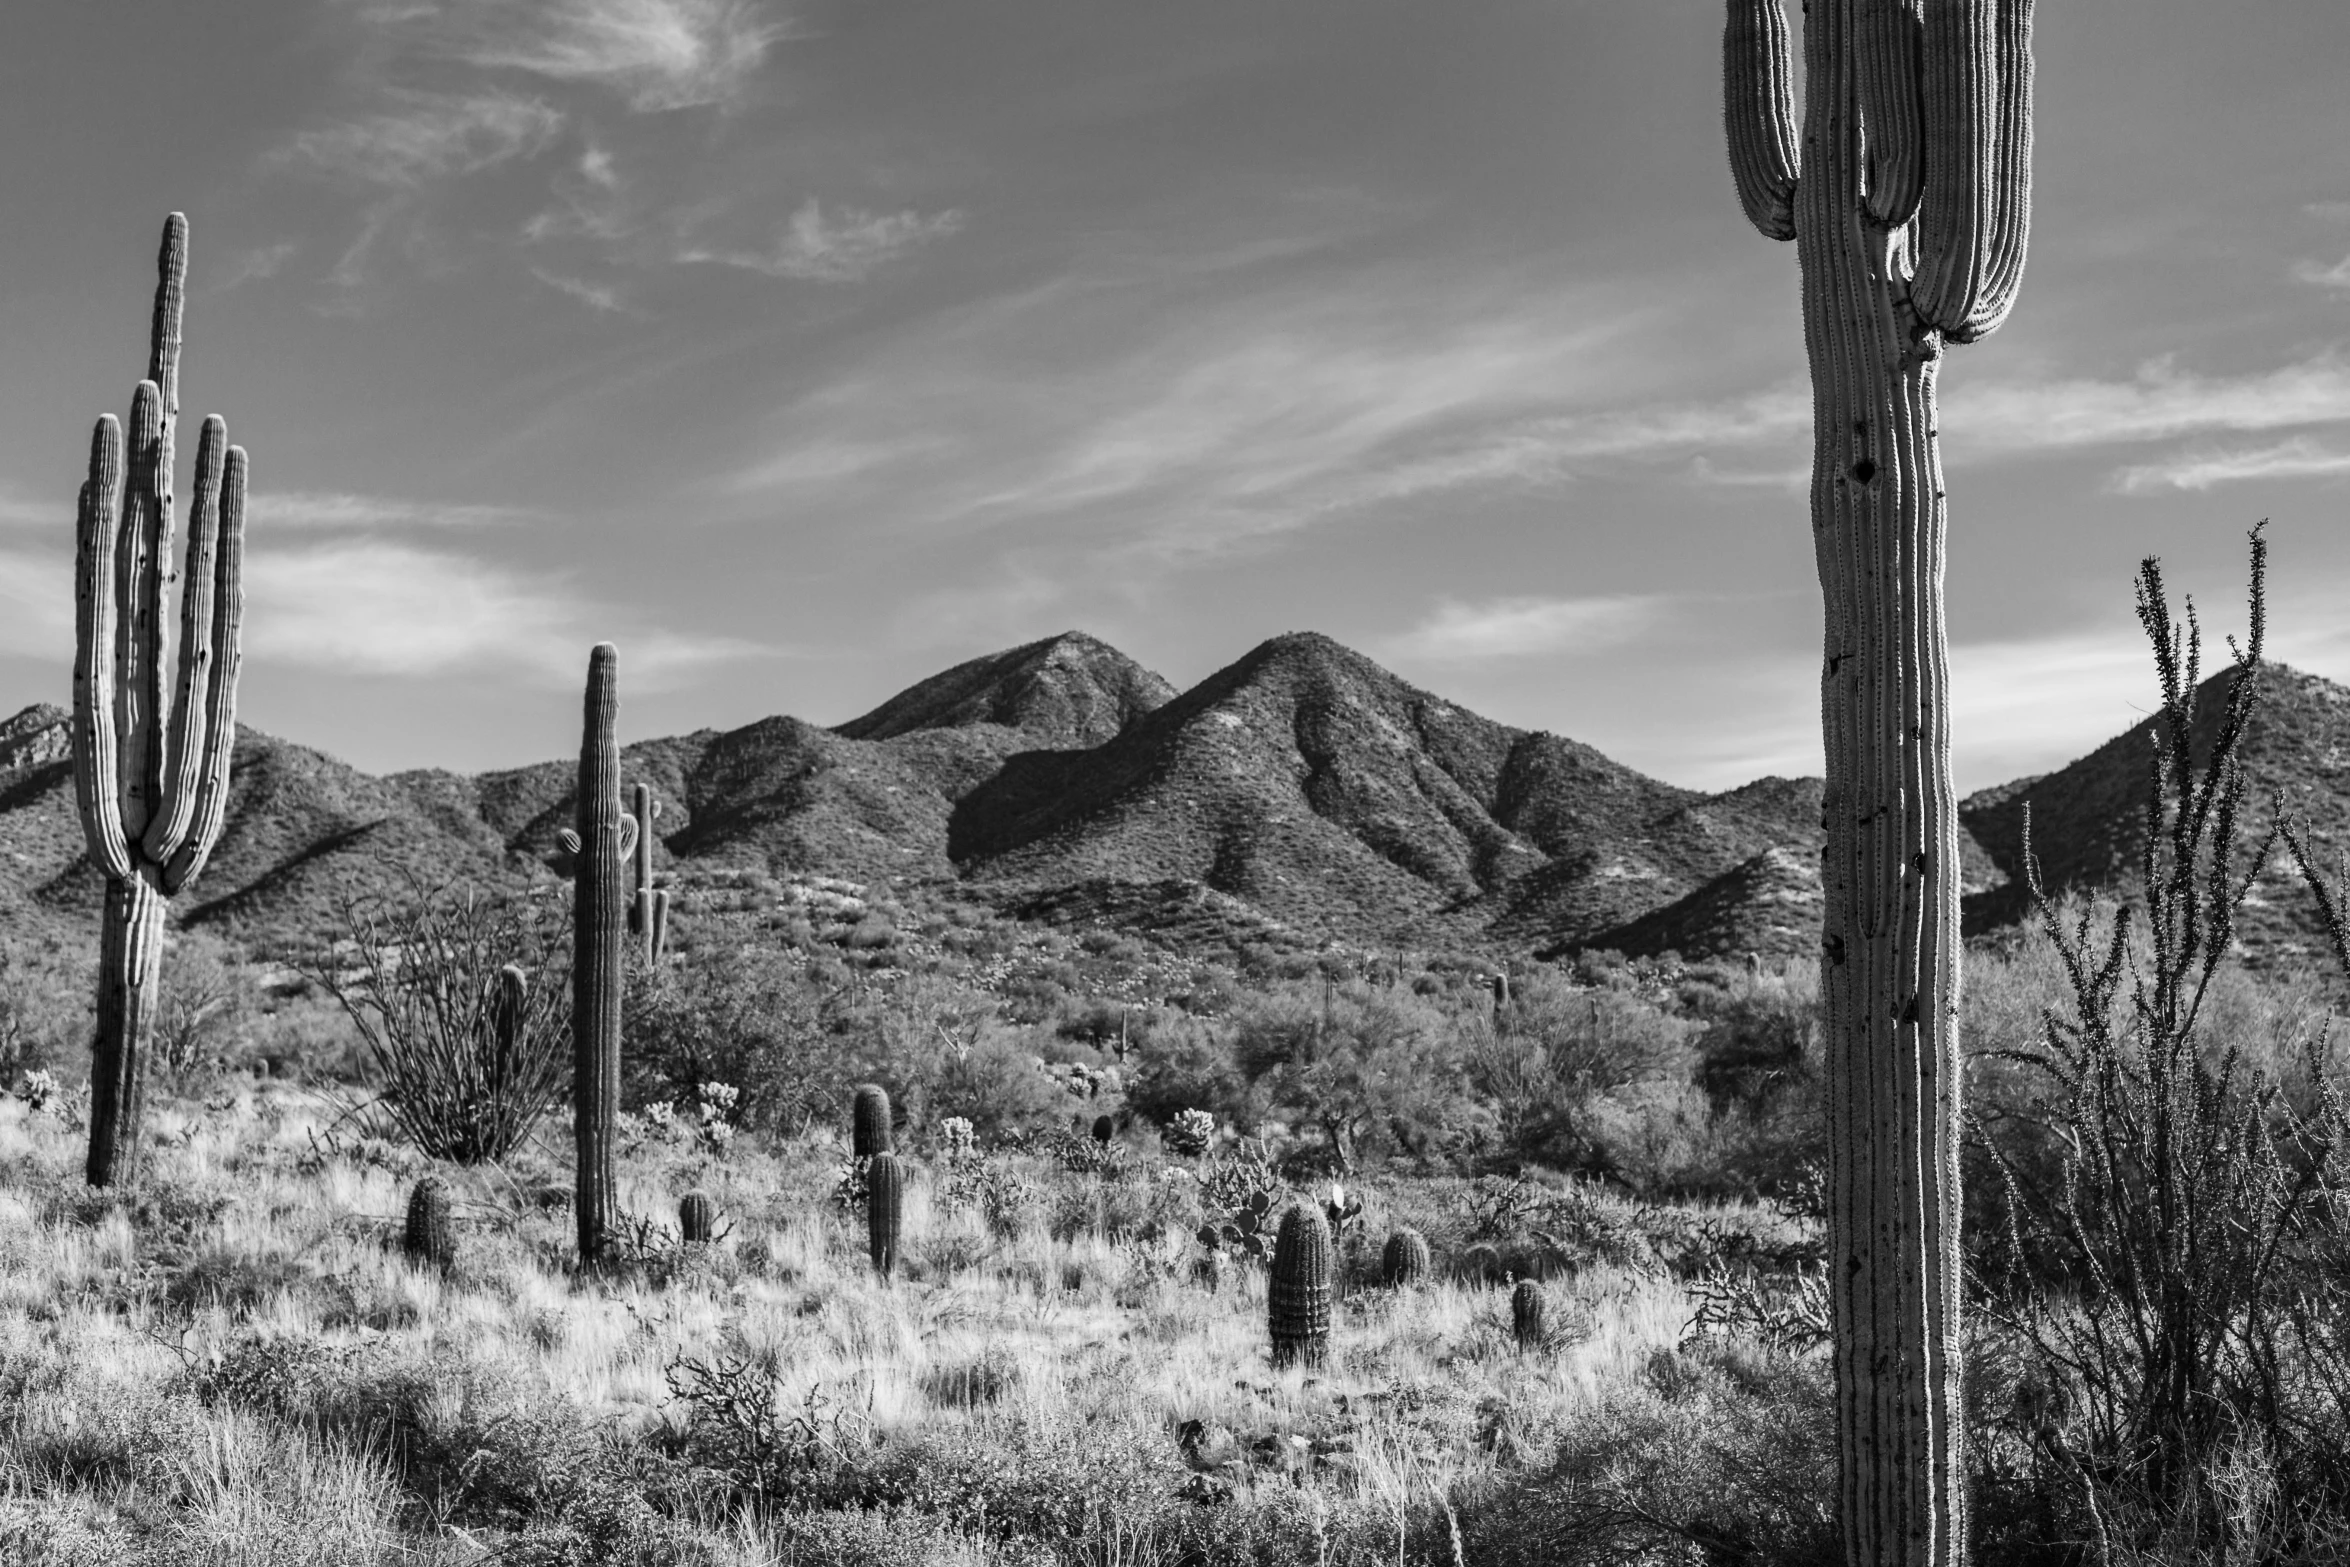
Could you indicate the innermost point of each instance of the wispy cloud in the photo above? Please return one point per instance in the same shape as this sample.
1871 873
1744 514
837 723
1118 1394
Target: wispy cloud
2323 276
1456 631
2161 402
249 266
837 249
340 509
427 135
596 296
659 54
2299 458
386 608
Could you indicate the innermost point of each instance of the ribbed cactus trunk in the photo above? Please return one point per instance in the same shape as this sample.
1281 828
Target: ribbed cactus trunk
150 744
599 916
1909 202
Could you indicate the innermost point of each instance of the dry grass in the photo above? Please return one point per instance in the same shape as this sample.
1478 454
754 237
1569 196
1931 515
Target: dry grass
237 1365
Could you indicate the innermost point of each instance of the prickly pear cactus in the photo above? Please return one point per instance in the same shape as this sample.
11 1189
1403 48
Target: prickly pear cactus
1529 1315
869 1122
1403 1263
1298 1293
695 1214
885 1211
430 1238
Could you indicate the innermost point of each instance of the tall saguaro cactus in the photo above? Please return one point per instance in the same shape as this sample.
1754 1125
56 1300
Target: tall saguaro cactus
1908 195
150 744
599 843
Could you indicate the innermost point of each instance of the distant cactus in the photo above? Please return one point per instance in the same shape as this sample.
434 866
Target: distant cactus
869 1122
1404 1262
885 1210
1104 1128
1480 1264
151 735
1190 1134
430 1239
695 1211
648 909
1299 1294
1529 1315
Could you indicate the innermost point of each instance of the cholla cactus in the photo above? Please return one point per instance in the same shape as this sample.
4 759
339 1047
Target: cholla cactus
1909 202
430 1237
1298 1295
885 1211
150 744
695 1214
958 1137
869 1134
1404 1261
1190 1134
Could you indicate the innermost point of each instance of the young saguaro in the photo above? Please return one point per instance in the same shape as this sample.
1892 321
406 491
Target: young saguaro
151 739
1907 191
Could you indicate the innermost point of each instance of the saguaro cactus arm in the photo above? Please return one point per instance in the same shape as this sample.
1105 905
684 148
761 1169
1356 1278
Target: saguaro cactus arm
1888 44
1758 111
204 773
1974 217
97 751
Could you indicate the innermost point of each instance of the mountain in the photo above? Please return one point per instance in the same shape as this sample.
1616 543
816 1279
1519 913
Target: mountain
2089 818
1302 793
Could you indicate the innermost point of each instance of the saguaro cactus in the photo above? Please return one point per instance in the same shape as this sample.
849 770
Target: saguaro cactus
1909 202
648 909
869 1122
1298 1292
885 1211
598 845
150 748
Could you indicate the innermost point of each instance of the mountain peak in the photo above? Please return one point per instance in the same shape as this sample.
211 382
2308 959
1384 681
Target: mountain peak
1071 692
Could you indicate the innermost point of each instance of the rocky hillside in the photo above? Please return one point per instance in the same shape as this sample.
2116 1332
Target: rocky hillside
1302 792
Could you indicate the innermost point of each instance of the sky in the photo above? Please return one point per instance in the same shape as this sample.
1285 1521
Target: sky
803 350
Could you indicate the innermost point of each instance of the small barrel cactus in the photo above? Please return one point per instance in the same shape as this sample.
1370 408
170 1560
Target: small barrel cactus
869 1122
695 1214
1404 1262
430 1239
1529 1315
1480 1264
1299 1293
1104 1128
885 1210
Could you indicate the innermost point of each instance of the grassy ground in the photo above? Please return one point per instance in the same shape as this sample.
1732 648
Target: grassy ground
236 1364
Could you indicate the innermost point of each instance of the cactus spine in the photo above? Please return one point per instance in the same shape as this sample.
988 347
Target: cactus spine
1404 1261
430 1239
869 1122
1529 1315
648 910
150 751
599 843
885 1211
1909 201
695 1215
1298 1294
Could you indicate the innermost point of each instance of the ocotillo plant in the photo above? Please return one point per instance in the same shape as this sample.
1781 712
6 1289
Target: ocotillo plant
1529 1315
150 747
869 1122
598 844
1908 194
695 1214
1404 1262
1298 1293
430 1238
885 1211
648 908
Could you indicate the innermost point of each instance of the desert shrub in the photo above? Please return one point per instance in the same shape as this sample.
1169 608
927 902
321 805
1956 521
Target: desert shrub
1371 1070
762 1019
1550 1059
1181 1067
417 973
206 994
